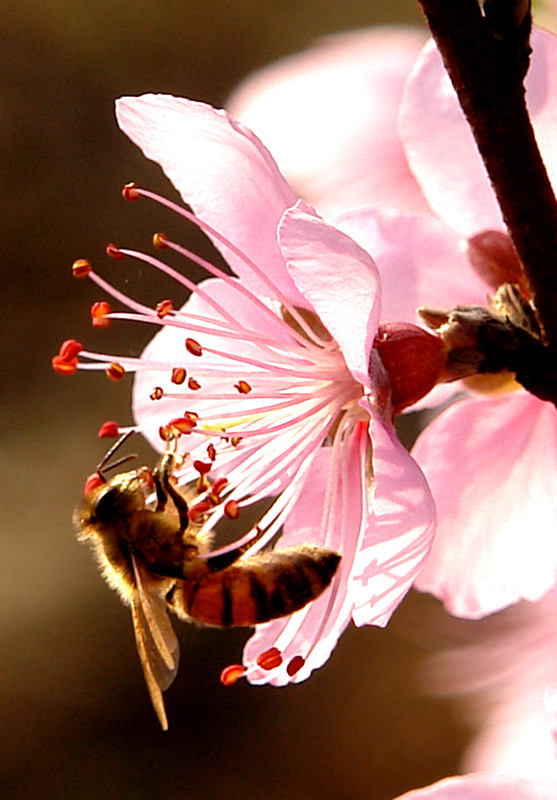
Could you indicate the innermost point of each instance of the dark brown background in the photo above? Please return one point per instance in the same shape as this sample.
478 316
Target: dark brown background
75 717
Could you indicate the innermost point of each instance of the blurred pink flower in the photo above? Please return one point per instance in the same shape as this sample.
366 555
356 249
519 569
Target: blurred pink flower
289 398
484 786
505 667
329 115
491 461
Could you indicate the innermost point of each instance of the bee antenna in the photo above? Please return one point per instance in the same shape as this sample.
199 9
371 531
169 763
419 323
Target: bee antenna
118 463
109 453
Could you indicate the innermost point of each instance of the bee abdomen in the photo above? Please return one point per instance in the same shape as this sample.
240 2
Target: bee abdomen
259 588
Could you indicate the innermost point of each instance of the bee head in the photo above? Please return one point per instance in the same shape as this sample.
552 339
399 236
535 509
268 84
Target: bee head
114 500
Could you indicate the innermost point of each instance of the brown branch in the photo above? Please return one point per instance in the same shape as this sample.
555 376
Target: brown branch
486 56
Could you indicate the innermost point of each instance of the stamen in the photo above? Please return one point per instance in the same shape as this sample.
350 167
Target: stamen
204 226
295 665
64 367
70 349
179 375
114 252
243 387
164 308
270 659
99 312
198 510
231 509
160 241
193 347
81 268
193 384
184 425
92 482
129 192
202 467
212 453
109 430
157 393
115 371
231 674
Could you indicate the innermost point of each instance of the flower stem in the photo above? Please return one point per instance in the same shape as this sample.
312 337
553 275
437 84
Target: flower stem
486 54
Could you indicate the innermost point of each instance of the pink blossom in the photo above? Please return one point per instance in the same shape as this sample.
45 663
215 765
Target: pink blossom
328 116
282 389
489 460
483 786
505 666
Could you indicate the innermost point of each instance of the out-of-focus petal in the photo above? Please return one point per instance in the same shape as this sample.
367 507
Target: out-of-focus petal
443 156
399 529
331 511
484 786
328 116
222 170
339 279
492 468
421 261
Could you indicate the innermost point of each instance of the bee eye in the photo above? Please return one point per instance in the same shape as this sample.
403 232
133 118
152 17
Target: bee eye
106 504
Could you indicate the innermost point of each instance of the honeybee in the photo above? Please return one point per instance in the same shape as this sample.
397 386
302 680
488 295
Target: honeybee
157 560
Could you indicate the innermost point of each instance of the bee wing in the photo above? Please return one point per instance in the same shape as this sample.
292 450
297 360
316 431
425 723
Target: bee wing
154 611
156 641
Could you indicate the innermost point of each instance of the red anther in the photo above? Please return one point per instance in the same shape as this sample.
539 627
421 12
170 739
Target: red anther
192 414
160 241
198 510
92 482
231 509
99 313
212 453
231 674
270 659
129 192
114 252
243 387
193 347
64 367
81 268
163 308
115 371
178 376
295 665
235 440
157 393
70 349
219 485
165 431
109 430
202 467
193 384
183 424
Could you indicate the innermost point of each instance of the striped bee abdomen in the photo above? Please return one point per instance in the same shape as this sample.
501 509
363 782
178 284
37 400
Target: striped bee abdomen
257 588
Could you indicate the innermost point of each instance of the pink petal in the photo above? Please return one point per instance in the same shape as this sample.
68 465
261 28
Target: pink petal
222 170
339 279
168 348
328 116
399 530
492 468
317 627
441 150
421 261
484 786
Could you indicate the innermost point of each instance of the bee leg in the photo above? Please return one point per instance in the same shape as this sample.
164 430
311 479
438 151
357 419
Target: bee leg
217 563
165 489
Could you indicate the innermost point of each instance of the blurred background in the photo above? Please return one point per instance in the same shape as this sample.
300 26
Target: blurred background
75 715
